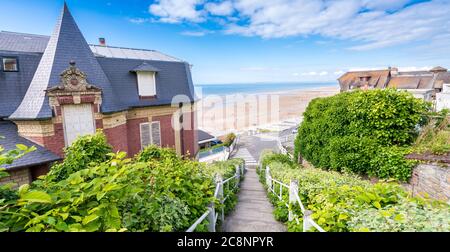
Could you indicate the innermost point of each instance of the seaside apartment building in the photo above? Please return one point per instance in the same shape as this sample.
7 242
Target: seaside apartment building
53 89
428 85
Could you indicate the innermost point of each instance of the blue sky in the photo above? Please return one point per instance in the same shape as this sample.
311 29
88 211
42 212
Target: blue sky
243 41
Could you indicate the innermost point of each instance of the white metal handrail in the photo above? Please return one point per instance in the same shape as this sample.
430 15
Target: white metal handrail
294 197
210 213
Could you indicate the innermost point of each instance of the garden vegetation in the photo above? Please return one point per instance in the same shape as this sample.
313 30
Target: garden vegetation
94 189
364 132
344 202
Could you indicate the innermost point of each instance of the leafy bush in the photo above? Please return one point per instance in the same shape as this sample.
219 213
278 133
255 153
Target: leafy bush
155 191
8 195
229 139
85 151
390 162
225 170
435 137
344 202
348 130
268 156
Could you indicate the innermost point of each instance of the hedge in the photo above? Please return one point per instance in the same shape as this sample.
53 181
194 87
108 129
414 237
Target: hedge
356 131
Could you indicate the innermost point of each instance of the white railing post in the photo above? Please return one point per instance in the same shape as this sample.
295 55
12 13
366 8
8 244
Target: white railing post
268 178
293 191
212 219
307 220
238 175
219 182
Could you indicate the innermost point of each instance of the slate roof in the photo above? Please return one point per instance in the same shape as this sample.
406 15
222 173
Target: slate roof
21 42
203 136
145 67
23 92
8 130
130 53
173 78
14 85
66 44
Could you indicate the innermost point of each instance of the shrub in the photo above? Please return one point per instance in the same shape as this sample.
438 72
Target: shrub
346 131
344 202
155 191
84 152
390 162
9 196
229 139
153 152
435 137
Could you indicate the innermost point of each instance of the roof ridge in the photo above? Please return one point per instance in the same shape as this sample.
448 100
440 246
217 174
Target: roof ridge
24 33
129 48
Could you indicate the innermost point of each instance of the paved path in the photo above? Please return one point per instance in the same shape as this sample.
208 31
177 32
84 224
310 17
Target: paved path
253 212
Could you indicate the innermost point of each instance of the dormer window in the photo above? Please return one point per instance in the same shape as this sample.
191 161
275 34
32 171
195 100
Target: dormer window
146 80
10 65
146 84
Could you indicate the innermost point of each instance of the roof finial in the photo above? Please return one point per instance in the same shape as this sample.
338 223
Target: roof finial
72 63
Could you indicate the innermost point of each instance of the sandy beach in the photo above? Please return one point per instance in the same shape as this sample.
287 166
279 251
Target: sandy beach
234 113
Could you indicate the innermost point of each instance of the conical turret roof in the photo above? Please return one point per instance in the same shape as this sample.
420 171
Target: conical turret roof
65 45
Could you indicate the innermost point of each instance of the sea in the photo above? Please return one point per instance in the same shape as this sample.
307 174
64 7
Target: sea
254 88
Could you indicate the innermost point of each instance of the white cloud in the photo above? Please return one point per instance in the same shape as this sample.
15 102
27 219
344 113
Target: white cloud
138 20
339 72
370 24
220 9
323 73
312 73
193 33
176 11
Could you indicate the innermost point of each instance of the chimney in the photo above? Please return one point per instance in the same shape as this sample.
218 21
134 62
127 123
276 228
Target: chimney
102 41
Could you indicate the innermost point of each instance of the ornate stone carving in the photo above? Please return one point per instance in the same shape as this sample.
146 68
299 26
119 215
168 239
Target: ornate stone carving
73 80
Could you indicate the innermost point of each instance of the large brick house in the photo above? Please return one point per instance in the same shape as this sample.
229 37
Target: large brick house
53 89
422 84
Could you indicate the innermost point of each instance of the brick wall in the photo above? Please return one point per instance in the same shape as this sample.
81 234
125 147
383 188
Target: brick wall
134 137
167 131
118 137
53 143
431 179
122 131
19 177
190 141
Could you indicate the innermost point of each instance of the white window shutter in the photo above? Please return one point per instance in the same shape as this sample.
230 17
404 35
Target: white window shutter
156 133
146 83
145 135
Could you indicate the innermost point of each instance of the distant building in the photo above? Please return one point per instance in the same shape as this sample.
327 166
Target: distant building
54 89
205 140
422 84
443 98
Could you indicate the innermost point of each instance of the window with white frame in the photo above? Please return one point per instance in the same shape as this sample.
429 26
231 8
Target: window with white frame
150 134
146 83
10 64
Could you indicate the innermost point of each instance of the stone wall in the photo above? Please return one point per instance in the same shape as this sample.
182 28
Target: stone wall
18 177
432 180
